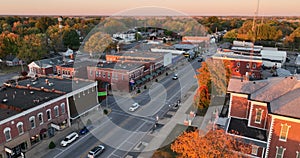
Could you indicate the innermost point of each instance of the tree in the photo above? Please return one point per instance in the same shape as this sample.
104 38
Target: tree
32 47
44 22
52 145
54 33
9 44
214 144
97 43
231 35
71 39
202 98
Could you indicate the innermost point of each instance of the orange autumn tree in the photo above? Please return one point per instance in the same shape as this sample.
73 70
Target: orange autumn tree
215 144
213 78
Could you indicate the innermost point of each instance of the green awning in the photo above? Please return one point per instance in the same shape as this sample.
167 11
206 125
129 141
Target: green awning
147 76
154 74
144 79
138 81
158 71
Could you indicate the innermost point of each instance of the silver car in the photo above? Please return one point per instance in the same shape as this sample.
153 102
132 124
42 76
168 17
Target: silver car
134 107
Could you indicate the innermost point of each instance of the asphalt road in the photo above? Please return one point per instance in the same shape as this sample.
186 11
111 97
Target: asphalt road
123 130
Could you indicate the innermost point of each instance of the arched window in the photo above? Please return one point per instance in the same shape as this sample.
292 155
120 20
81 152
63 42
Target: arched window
20 128
63 108
32 122
40 117
56 112
7 134
48 114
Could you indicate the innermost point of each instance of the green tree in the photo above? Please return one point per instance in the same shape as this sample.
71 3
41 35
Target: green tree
32 47
44 22
54 33
9 44
231 35
71 39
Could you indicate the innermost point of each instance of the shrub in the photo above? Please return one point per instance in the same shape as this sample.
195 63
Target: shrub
105 111
52 145
156 80
138 91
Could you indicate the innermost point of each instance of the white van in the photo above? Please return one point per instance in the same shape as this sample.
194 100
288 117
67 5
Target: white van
69 139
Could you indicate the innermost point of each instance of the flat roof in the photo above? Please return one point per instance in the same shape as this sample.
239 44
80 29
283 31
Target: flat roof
140 54
63 85
121 65
230 55
16 100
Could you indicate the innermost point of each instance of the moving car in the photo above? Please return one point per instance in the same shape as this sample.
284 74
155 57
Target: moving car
134 107
175 77
96 151
69 139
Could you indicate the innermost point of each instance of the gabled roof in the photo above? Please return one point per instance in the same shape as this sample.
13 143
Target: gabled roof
245 87
46 63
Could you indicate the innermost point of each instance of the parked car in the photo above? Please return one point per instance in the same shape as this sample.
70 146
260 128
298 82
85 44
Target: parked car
175 77
200 59
134 107
96 151
84 131
69 139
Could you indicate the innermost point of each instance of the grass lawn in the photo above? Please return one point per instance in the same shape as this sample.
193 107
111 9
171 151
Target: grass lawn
12 69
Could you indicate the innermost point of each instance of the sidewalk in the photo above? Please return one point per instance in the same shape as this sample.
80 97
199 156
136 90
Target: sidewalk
42 150
160 137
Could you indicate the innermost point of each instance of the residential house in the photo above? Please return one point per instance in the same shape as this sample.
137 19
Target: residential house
266 114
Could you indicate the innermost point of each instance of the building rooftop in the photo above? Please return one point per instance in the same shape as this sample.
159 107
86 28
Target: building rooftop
62 85
16 100
134 55
129 66
233 56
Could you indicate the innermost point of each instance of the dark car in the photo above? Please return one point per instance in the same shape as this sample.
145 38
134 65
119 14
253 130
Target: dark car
84 131
200 59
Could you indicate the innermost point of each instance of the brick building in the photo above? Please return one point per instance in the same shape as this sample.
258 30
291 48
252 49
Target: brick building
266 114
27 116
241 65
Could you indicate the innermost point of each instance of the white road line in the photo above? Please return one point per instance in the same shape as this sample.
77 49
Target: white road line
127 138
80 138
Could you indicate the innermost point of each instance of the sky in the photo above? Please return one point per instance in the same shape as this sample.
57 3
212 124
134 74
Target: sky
158 7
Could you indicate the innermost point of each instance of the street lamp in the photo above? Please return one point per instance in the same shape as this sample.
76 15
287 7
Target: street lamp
106 88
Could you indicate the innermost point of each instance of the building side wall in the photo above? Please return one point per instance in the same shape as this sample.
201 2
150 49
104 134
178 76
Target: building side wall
239 106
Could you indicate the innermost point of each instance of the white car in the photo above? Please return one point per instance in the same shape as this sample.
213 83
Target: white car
69 139
134 107
96 151
175 77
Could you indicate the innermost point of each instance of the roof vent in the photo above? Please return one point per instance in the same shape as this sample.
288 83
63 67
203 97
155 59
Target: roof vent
31 92
5 100
254 82
292 77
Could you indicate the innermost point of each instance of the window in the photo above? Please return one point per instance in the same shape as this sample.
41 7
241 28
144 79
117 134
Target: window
40 117
122 76
103 74
32 122
254 150
63 108
20 128
97 73
237 70
284 132
7 134
248 65
48 114
91 72
108 75
254 66
297 154
238 64
56 113
258 115
279 152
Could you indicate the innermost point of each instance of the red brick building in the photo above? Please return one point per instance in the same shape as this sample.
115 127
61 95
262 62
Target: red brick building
27 117
241 65
266 114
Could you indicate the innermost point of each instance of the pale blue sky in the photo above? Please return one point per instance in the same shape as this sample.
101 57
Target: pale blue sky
110 7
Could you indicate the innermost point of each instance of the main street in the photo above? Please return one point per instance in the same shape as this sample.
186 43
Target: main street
122 130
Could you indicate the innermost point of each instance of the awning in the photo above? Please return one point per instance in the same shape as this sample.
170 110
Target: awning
148 76
55 126
158 71
144 79
138 82
154 74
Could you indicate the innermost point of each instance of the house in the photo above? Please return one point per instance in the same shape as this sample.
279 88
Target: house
12 60
266 114
27 116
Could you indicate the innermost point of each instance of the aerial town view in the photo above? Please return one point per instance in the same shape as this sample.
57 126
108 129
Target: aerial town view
150 79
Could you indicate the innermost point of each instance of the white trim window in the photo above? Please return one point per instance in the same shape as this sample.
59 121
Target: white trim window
63 108
20 128
56 112
279 152
258 115
254 150
32 122
284 132
247 65
238 64
40 117
254 66
297 154
48 112
7 133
